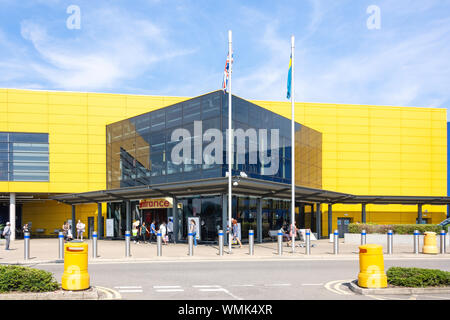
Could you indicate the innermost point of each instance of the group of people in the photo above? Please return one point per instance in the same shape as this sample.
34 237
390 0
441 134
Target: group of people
67 230
289 232
140 231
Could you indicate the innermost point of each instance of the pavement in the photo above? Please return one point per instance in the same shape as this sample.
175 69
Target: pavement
46 251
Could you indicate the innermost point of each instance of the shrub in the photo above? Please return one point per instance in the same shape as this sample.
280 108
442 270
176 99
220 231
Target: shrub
417 277
396 228
24 279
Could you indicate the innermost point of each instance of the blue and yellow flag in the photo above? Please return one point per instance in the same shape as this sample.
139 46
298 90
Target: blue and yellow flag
288 96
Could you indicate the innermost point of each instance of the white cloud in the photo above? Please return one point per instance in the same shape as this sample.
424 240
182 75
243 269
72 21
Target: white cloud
105 55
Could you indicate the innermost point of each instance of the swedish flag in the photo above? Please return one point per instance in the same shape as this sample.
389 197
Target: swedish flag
289 81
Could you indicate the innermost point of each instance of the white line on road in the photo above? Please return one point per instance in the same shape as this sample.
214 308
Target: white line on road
278 285
206 286
221 290
336 289
242 285
169 290
166 287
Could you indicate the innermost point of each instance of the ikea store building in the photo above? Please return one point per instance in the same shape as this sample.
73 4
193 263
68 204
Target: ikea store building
107 160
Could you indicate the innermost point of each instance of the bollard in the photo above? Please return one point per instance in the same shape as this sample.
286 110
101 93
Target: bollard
61 245
363 237
251 242
442 238
416 241
280 242
308 242
26 246
430 243
336 242
389 241
75 276
127 244
159 244
220 242
191 244
371 266
94 244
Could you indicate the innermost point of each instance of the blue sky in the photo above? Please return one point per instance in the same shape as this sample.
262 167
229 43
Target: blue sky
175 47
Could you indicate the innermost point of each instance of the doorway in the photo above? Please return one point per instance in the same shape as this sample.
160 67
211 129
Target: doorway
343 226
90 227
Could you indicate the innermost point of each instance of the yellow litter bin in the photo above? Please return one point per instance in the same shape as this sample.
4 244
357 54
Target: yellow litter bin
75 276
371 265
430 243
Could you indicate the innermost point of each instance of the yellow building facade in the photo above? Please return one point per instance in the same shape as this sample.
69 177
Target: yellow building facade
367 150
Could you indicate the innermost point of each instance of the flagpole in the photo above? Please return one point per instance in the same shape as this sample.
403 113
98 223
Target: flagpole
292 148
230 154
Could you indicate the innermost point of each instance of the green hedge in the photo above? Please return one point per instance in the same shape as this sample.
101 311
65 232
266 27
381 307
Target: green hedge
417 277
24 279
396 228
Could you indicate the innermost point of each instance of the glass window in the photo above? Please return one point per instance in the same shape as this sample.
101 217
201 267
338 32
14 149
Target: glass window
211 106
240 111
3 137
191 111
29 137
157 141
143 124
158 165
158 120
173 116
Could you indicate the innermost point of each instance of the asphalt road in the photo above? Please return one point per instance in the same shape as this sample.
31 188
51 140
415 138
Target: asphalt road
234 280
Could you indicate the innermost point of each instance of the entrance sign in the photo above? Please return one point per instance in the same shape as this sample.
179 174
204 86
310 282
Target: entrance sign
110 228
160 203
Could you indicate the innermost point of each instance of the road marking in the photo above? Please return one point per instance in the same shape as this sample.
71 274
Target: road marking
221 290
206 286
110 293
375 297
242 285
336 288
166 287
169 290
312 284
278 285
445 298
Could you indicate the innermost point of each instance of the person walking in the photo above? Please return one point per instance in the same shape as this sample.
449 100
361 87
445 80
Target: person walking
80 229
235 233
152 231
170 230
292 233
25 228
143 232
163 231
69 232
193 230
7 234
64 229
134 231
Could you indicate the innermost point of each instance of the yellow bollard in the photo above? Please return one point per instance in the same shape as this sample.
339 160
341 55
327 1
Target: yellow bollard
75 276
371 266
430 243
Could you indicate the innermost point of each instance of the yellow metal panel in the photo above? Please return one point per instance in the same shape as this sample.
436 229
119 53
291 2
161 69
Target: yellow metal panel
27 96
27 127
71 99
66 139
40 110
15 117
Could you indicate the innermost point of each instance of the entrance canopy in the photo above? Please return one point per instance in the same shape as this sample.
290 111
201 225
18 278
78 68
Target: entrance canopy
245 186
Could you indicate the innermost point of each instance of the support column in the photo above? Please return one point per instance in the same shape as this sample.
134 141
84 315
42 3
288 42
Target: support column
312 217
301 216
12 215
318 221
259 221
225 218
448 211
176 225
330 219
99 221
363 213
128 215
74 222
419 213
